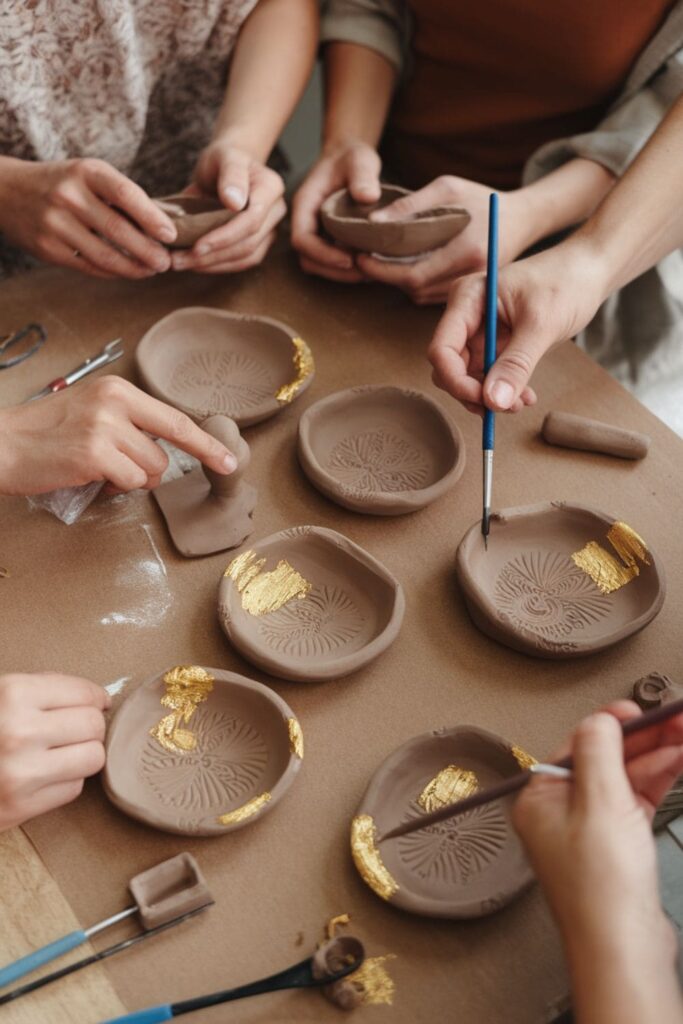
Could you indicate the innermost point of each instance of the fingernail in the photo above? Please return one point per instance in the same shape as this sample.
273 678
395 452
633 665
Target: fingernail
378 215
235 197
229 463
345 263
502 394
166 234
202 250
181 262
161 265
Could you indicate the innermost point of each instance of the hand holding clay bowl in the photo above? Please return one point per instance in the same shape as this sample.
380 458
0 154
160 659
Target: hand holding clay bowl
465 866
348 223
559 580
193 217
380 450
201 751
308 604
208 362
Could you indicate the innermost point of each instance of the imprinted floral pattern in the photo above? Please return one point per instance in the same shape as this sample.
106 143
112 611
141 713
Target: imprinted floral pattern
546 594
378 461
316 626
211 382
453 851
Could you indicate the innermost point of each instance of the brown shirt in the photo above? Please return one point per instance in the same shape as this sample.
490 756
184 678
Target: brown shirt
492 80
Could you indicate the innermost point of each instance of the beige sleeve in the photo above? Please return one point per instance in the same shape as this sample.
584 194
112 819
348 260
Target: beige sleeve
380 25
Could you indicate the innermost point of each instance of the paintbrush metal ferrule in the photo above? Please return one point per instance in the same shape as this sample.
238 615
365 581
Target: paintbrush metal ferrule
488 484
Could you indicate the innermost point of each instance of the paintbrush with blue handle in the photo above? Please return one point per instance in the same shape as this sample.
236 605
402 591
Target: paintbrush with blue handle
490 337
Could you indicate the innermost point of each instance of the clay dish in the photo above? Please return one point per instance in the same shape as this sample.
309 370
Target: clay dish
382 450
346 221
201 752
461 867
308 604
193 216
209 361
559 580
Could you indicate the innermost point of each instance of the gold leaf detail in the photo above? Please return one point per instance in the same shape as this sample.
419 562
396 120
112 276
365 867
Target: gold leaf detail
451 784
303 365
265 592
296 738
367 857
523 759
252 807
334 923
375 981
186 687
606 571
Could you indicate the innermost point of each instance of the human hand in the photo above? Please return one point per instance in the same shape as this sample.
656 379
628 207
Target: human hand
97 431
542 301
83 214
244 185
353 165
590 838
51 739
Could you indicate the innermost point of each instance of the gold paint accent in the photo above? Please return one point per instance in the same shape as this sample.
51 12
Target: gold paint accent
334 923
246 811
451 784
375 981
186 687
304 366
296 738
265 592
523 759
367 857
604 569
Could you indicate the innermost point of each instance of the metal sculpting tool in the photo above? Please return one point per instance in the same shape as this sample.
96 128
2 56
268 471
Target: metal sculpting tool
518 781
109 354
490 335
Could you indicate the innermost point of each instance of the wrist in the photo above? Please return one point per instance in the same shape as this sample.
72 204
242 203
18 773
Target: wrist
244 138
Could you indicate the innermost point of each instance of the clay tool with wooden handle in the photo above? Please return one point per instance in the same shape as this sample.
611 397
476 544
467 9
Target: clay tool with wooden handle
518 781
490 337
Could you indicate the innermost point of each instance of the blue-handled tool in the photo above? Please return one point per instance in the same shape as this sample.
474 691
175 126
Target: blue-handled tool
490 337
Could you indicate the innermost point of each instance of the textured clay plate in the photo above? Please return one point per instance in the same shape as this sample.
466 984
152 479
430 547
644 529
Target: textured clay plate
193 217
461 867
208 361
346 221
308 604
382 450
199 751
559 580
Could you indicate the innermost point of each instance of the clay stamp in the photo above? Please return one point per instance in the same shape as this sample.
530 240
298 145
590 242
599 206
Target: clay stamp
208 362
569 431
380 450
559 580
193 217
651 692
462 867
205 511
201 751
169 889
308 604
348 223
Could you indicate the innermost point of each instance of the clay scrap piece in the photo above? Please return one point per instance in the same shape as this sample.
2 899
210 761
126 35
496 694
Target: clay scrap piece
651 692
193 217
569 431
348 223
461 867
380 450
308 604
169 889
205 511
208 362
235 767
537 591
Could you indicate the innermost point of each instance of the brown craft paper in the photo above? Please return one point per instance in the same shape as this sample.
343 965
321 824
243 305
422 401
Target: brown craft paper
276 883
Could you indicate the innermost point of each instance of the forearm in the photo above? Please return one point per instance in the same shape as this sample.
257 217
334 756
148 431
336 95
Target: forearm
265 84
359 84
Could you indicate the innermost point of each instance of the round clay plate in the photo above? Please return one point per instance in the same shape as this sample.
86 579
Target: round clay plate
346 221
559 580
208 361
461 867
308 604
199 751
382 450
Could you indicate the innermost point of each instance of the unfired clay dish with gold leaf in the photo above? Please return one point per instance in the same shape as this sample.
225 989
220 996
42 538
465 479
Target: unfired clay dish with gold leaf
348 223
559 580
309 604
465 866
208 361
381 450
201 751
193 217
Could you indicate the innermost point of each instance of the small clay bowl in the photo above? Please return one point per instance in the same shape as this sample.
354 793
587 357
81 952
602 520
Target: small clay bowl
461 867
193 217
346 221
308 604
380 450
528 592
209 361
209 772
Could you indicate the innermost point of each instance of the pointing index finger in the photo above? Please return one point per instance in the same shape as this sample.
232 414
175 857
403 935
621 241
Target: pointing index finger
161 420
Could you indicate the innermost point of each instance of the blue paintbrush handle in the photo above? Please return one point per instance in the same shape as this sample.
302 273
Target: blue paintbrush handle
491 320
152 1015
488 431
40 956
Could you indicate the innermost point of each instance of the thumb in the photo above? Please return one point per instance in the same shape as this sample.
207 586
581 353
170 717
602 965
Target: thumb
509 375
233 182
364 166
